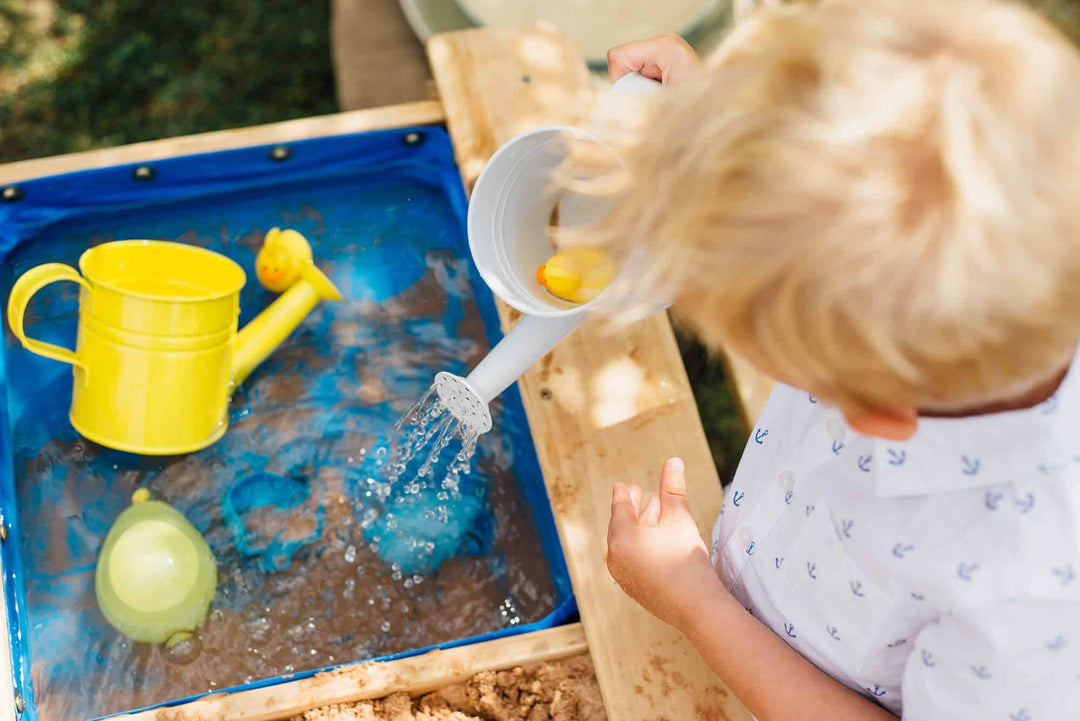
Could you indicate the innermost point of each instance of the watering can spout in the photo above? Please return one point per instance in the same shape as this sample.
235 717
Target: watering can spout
283 264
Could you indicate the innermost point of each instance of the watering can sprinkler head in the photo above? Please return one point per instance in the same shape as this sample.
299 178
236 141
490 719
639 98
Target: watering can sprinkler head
510 238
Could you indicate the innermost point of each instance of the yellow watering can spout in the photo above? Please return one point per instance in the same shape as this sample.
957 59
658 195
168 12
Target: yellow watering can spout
284 263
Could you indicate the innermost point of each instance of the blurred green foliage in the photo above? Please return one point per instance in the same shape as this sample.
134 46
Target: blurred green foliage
81 74
724 427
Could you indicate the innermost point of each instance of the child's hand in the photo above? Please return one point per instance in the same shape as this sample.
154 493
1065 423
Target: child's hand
667 58
655 552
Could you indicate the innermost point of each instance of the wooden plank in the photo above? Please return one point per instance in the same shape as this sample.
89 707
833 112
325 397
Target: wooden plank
416 675
496 83
377 58
420 113
602 408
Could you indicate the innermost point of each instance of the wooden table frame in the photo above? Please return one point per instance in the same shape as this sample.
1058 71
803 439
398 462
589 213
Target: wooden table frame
494 84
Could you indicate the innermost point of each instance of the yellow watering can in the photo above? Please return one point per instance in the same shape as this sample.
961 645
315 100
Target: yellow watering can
158 352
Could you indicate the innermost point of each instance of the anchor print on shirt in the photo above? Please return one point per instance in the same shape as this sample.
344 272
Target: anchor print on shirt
737 497
856 588
864 463
779 561
812 398
811 570
969 466
964 570
896 457
759 436
1056 643
897 643
1025 504
1065 573
927 659
992 499
901 550
876 691
787 484
833 632
789 629
844 530
1049 469
837 446
981 672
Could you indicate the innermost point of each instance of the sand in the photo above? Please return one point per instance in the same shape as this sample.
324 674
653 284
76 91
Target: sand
557 691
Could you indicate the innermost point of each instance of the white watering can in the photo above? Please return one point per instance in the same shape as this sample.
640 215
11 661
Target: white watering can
509 237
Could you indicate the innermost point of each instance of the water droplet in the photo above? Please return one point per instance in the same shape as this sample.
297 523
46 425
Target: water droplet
380 452
350 554
385 626
182 648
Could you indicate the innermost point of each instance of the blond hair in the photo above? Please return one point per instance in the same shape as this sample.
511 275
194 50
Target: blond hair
875 200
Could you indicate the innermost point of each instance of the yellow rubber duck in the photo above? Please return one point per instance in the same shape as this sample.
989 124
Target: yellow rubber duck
278 264
577 275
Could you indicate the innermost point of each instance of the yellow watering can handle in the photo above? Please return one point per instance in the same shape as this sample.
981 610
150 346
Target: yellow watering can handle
24 289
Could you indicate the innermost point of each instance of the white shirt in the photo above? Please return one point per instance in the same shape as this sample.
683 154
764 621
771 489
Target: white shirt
939 576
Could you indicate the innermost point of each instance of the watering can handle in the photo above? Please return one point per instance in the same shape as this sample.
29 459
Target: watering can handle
24 289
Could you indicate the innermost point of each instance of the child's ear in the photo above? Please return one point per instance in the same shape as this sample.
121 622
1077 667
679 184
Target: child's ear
892 424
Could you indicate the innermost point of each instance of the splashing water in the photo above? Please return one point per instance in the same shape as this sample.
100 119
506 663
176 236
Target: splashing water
429 427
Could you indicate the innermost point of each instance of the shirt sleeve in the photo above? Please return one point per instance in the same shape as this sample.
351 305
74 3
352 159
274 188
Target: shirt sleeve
1015 661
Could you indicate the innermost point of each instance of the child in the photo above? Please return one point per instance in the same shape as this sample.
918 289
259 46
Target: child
878 203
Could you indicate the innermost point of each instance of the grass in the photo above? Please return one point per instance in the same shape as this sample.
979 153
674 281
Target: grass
83 74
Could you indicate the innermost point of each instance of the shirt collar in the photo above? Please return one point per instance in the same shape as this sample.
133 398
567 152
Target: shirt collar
952 454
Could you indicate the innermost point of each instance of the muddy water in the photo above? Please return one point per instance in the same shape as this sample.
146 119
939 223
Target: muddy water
360 567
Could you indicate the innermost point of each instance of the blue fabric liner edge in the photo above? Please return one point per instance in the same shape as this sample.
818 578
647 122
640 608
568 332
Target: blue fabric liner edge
54 199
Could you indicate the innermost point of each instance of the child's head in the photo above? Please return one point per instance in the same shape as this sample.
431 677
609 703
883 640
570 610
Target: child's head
877 201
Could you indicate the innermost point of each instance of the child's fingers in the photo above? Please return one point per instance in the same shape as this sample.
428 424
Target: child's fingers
673 488
623 509
636 494
650 515
662 58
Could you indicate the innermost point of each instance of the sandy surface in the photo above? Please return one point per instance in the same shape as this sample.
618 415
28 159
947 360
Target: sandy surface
557 691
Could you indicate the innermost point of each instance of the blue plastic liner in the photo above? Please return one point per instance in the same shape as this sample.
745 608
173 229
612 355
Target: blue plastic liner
48 220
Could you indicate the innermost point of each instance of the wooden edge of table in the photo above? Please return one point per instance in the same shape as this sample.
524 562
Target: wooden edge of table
415 675
425 112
